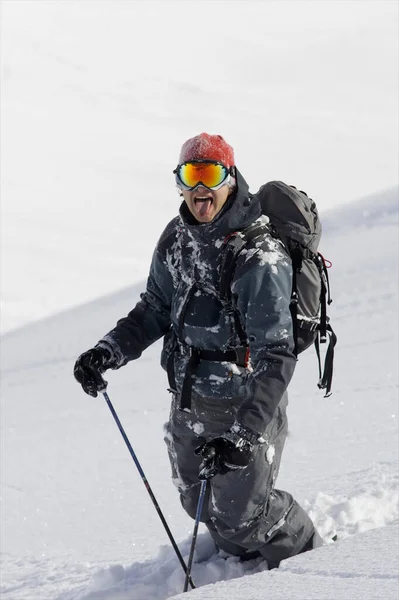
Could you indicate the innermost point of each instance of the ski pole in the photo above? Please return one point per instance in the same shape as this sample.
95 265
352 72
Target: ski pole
195 532
102 389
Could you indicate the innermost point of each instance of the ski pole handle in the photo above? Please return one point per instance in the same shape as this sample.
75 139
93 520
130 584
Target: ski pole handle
208 467
99 381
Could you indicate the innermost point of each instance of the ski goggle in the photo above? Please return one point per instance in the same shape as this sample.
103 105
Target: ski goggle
209 174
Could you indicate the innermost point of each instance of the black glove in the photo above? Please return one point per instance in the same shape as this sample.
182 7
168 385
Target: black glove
90 365
228 452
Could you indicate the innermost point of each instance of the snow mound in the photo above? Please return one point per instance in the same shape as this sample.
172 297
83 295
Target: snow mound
371 211
341 571
364 500
371 502
162 577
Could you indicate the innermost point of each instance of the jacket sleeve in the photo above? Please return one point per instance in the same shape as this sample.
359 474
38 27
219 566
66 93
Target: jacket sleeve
150 318
262 291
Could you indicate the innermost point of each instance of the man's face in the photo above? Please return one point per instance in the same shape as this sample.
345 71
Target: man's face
204 204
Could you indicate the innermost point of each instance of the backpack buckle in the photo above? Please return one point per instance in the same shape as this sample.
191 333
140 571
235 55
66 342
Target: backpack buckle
294 298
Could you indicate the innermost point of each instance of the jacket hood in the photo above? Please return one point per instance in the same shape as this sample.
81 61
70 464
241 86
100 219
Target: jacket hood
240 210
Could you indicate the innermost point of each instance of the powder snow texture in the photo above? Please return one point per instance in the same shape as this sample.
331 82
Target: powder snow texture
79 219
90 135
77 520
342 571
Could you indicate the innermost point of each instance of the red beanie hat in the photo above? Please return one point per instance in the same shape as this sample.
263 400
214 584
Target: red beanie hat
207 147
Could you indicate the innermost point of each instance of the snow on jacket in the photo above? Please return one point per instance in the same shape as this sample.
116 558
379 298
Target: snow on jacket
189 254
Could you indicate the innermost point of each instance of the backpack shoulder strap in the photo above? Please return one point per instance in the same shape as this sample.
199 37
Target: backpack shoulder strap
232 247
235 243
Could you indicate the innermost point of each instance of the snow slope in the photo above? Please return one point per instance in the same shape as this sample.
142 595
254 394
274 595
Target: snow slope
77 523
98 96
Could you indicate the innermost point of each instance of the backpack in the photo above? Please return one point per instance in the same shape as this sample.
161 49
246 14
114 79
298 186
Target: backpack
293 219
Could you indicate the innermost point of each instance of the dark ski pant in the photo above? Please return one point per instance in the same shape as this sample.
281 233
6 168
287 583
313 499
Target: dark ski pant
242 511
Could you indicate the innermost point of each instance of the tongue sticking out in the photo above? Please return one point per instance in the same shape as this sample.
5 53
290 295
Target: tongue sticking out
203 207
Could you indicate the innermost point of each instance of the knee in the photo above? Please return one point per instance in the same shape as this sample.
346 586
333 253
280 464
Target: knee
233 516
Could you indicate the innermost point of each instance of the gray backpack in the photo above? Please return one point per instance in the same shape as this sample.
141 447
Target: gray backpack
293 218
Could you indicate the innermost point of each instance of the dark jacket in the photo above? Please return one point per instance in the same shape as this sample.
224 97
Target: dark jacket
189 254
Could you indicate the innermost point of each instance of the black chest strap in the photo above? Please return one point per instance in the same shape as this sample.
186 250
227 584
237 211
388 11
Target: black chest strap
196 355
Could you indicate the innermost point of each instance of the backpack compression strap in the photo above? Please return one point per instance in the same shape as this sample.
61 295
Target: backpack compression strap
325 378
324 329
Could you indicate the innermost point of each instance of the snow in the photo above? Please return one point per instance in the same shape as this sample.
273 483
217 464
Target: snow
97 98
198 428
216 379
338 572
77 522
80 115
270 453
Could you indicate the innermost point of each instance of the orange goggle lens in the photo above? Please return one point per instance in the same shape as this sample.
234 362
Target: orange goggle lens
211 175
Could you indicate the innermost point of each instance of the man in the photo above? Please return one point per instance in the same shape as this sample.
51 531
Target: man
229 362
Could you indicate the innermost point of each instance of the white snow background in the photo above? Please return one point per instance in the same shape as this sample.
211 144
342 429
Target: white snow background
98 96
96 100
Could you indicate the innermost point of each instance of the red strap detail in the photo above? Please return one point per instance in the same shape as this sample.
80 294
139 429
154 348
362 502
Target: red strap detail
327 263
247 357
228 236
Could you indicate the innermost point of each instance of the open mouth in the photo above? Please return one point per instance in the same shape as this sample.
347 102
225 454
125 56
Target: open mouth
202 199
203 205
